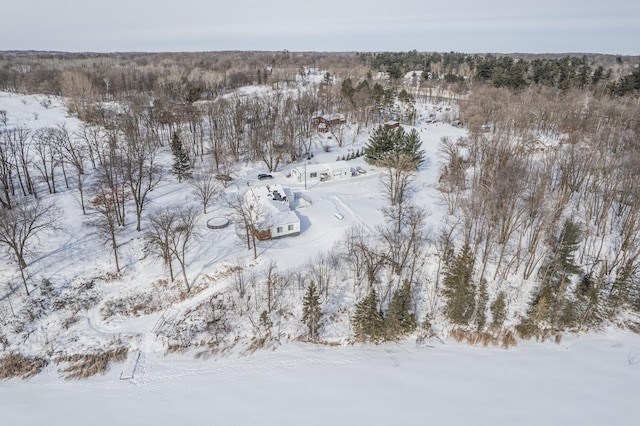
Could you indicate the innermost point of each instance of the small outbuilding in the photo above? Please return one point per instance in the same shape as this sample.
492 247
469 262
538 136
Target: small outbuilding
326 121
321 172
330 119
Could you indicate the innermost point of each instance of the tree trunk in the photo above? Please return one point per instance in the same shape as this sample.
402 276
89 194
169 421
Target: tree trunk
114 244
24 280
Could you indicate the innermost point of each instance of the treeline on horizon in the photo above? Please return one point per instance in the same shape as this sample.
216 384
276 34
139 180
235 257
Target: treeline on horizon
215 73
516 71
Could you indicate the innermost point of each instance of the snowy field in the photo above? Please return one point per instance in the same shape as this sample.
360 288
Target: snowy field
590 380
585 380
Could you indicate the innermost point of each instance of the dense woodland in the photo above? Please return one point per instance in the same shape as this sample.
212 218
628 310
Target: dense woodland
542 196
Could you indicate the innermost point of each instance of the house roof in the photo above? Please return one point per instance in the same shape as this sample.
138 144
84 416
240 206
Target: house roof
324 167
329 118
333 117
274 201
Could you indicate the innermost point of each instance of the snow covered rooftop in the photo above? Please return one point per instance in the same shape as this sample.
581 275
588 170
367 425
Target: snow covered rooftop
324 167
275 201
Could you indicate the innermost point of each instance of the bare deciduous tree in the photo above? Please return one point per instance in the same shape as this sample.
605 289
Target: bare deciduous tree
141 172
206 188
6 177
94 139
242 215
161 225
264 135
364 255
215 131
452 179
21 225
322 270
272 282
78 88
18 144
250 220
113 175
74 152
170 232
46 153
182 233
403 243
398 177
107 220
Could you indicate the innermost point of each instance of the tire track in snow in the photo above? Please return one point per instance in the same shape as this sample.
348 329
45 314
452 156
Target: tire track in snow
161 373
335 199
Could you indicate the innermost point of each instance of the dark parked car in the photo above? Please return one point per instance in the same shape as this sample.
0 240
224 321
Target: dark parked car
264 176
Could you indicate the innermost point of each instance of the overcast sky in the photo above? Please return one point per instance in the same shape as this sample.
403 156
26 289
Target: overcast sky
501 26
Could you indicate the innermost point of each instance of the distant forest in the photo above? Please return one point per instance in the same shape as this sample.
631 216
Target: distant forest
116 74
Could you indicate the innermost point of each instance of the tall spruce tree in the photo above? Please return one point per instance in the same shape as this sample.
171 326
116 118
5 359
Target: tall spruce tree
368 322
380 143
181 164
498 310
412 146
459 289
552 306
621 291
590 296
400 318
482 300
390 145
311 312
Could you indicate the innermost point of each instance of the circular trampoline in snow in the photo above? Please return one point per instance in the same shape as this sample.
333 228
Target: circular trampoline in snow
217 223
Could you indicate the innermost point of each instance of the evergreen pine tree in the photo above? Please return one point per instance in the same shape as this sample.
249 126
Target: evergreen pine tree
181 164
598 75
391 144
568 243
589 300
412 146
400 318
347 90
266 322
459 289
498 310
380 143
482 300
192 94
621 290
368 322
552 305
311 312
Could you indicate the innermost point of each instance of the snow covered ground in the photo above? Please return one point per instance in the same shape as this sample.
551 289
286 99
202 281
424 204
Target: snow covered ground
586 380
590 380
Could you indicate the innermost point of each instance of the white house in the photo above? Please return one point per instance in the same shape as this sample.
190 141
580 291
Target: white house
322 172
273 216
